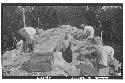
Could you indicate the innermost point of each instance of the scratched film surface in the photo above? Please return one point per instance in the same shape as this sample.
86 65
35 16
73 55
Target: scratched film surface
62 40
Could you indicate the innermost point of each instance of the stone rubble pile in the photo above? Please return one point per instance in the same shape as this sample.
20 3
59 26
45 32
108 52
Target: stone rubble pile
86 54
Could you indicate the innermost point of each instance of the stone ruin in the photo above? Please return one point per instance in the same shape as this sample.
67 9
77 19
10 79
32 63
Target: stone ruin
89 56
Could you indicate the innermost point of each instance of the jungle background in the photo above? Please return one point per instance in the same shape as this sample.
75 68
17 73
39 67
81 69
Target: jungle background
108 19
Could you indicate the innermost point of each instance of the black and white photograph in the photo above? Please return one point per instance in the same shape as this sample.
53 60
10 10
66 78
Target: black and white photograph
62 40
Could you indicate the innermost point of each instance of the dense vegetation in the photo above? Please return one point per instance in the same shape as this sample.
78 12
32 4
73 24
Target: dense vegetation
102 18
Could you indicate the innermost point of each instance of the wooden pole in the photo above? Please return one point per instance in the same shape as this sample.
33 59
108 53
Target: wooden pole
38 22
101 35
24 17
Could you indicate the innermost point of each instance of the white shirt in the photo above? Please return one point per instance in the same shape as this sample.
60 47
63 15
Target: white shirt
31 31
90 29
19 43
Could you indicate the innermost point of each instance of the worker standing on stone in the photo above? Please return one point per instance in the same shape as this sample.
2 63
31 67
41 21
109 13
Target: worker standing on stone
28 34
66 50
89 31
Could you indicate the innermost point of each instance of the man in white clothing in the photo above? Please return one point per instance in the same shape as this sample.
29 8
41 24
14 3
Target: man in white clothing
89 31
28 34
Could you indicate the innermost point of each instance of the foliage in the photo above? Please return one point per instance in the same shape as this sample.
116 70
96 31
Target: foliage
110 20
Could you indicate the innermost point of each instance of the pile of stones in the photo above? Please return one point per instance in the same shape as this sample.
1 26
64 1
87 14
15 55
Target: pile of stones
87 59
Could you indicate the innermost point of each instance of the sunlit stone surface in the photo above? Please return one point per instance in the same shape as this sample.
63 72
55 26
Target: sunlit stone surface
53 40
